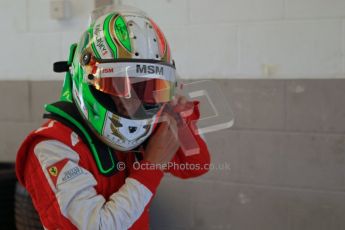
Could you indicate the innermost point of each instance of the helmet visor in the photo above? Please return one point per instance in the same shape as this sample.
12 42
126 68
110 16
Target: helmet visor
152 83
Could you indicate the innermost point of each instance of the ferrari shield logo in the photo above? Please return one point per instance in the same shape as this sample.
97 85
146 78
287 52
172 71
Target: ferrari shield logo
53 171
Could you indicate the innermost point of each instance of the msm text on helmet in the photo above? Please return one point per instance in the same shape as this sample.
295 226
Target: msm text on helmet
150 69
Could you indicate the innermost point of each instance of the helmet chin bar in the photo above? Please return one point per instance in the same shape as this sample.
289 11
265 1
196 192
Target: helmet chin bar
126 134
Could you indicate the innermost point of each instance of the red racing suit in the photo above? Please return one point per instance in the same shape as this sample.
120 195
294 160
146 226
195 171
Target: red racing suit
69 192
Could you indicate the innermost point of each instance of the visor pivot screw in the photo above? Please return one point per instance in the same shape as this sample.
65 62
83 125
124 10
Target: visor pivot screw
90 77
86 58
136 54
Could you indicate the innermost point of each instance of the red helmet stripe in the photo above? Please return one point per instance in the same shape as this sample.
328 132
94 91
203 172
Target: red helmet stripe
161 39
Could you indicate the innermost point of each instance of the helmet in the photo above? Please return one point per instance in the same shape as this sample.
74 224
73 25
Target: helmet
124 55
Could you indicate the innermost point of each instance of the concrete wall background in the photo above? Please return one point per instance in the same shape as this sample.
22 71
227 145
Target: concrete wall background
210 39
287 148
286 152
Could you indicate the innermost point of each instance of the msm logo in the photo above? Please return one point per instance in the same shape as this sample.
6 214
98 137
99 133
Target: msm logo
108 70
150 69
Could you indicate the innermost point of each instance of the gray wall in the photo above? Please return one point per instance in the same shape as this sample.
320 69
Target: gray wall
286 152
236 39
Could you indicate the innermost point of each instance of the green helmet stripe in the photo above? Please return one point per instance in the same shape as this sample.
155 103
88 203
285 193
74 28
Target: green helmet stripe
53 109
95 51
66 93
96 112
107 35
122 34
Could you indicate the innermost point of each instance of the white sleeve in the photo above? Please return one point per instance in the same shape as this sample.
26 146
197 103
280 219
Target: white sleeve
78 200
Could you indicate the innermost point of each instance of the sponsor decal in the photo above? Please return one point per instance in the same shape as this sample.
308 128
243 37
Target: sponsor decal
55 170
72 173
108 70
99 40
64 171
150 69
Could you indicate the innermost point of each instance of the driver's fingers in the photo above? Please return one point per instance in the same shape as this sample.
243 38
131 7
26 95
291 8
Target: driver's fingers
182 100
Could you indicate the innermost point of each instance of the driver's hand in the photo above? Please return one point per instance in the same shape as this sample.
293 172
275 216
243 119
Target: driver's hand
163 143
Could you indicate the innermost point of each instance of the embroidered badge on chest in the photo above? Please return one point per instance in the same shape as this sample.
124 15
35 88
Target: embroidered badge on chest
55 170
64 171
